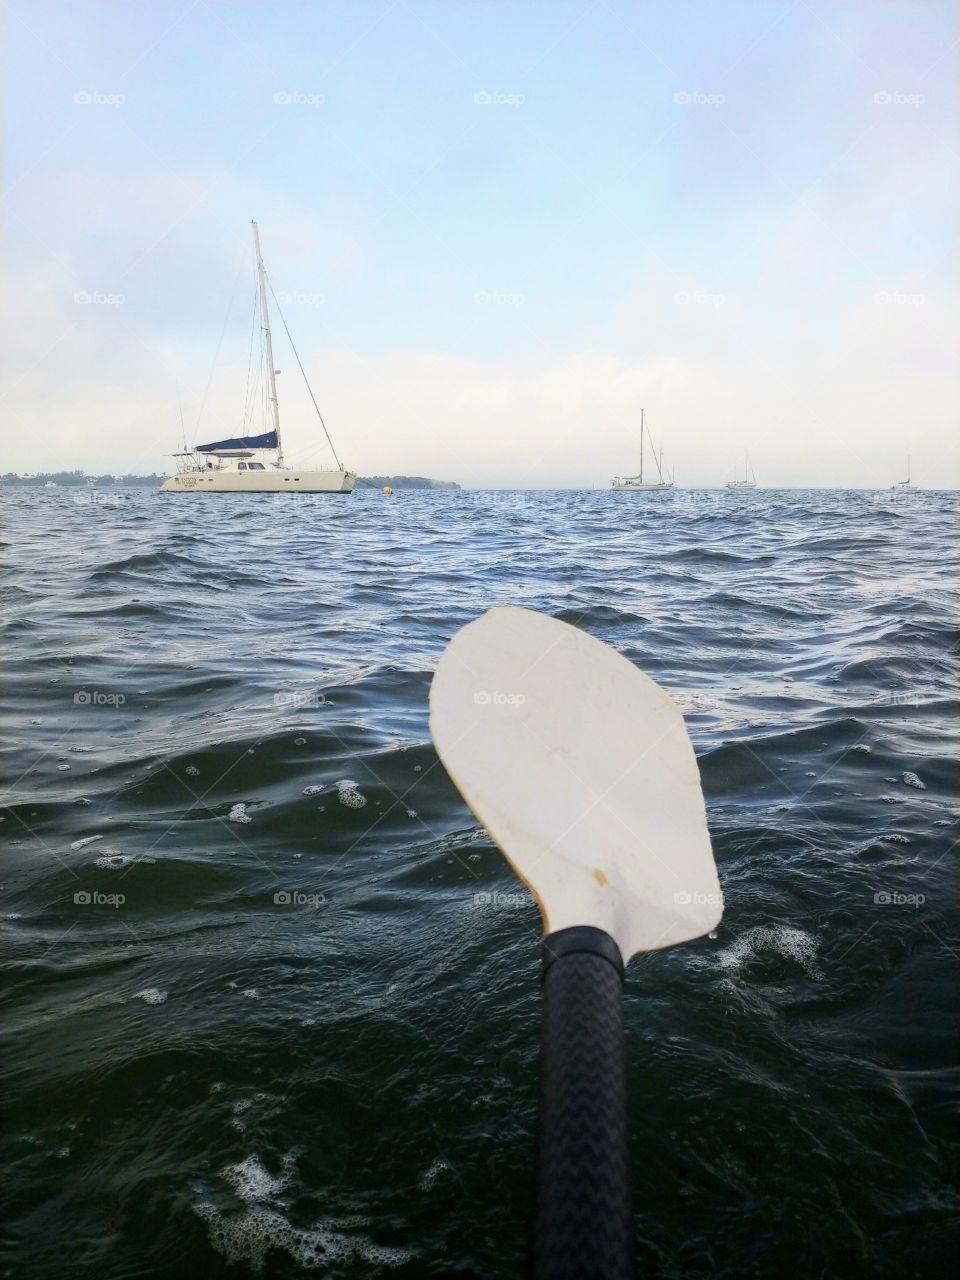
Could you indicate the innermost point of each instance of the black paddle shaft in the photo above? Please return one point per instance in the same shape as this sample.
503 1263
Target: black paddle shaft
583 1212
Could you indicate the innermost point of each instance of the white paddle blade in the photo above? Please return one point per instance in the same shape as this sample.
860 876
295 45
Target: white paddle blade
581 769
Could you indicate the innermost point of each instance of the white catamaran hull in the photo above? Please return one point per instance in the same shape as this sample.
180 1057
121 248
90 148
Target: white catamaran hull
627 487
274 481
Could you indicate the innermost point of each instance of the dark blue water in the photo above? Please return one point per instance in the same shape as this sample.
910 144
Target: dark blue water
256 1016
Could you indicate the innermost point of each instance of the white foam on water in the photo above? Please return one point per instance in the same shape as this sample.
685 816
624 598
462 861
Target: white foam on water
192 770
251 993
113 861
438 1167
862 748
253 1182
313 790
248 1237
911 780
261 1226
79 844
892 799
238 814
240 1108
793 944
63 768
299 742
151 995
348 793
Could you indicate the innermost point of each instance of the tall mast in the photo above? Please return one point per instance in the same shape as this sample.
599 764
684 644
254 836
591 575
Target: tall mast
641 446
268 341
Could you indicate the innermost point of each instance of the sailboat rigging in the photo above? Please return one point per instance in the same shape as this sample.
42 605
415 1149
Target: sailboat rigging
637 484
749 480
905 486
242 463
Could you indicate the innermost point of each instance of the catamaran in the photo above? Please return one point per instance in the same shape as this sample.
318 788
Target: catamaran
905 486
253 463
749 480
637 484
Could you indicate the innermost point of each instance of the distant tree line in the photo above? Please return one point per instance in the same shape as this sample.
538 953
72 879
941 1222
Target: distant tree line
74 478
78 478
406 482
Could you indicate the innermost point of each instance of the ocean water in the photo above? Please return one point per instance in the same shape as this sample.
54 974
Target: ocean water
271 996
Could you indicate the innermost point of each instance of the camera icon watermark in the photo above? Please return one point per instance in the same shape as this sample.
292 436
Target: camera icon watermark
98 698
294 298
297 98
697 701
92 499
893 298
494 98
688 898
299 698
484 298
297 898
94 898
495 698
86 298
511 900
901 698
897 98
892 898
697 98
96 98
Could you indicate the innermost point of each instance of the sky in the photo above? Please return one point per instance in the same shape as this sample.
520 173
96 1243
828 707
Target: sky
498 231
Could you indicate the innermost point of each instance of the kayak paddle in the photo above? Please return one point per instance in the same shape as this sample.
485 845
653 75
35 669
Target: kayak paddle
581 769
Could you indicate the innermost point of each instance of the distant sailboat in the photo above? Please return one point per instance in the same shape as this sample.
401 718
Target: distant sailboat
637 484
749 480
243 463
904 486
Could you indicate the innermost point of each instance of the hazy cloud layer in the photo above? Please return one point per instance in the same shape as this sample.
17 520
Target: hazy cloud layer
496 232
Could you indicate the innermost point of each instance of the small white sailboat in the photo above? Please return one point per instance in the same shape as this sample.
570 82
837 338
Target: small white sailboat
904 486
749 480
254 463
637 484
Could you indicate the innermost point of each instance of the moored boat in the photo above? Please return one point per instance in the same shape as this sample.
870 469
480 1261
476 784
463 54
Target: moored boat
637 484
749 480
254 463
905 486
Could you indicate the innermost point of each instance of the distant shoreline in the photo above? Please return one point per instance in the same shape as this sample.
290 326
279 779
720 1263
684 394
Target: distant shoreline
80 480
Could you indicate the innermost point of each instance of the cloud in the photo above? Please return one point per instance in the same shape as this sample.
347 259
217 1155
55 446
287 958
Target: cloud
821 378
